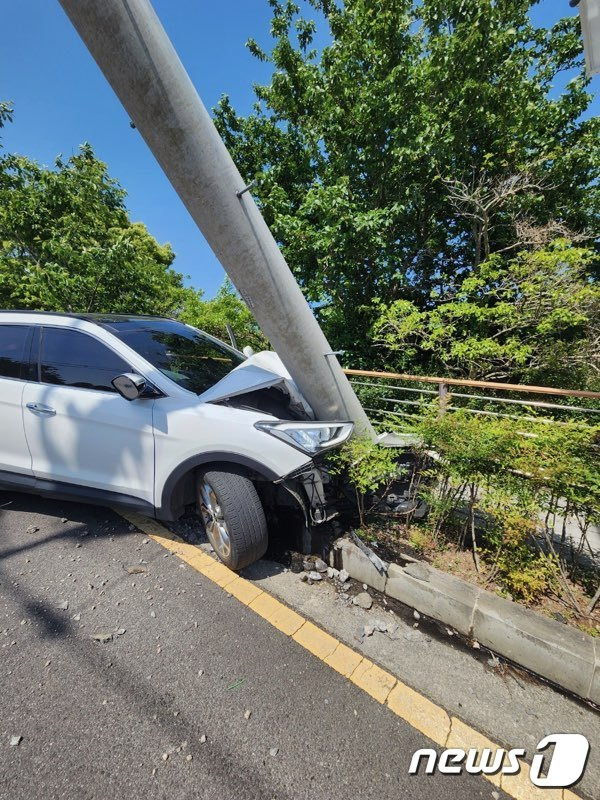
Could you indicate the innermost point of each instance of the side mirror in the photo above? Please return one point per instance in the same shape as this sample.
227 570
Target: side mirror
129 385
248 351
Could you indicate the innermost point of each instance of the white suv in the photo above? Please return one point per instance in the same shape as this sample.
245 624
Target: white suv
154 415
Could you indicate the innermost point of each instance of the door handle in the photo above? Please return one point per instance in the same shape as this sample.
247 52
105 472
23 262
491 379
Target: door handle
40 408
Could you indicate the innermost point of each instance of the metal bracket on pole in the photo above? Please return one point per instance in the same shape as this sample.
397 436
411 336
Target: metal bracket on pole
246 188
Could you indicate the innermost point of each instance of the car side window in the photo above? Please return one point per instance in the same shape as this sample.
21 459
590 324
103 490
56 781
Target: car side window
71 358
13 356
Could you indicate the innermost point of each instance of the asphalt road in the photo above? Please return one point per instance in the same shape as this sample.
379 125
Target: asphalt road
160 709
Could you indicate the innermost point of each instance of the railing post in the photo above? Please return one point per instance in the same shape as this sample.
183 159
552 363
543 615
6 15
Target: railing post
443 397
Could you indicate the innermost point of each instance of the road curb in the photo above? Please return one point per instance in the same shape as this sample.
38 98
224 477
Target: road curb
553 650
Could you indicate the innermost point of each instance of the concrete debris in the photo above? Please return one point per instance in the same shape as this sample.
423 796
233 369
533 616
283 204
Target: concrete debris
315 576
307 565
64 519
121 631
416 614
64 605
32 529
165 756
189 757
343 576
153 614
200 673
15 740
103 637
365 587
333 573
304 576
145 541
380 626
476 645
363 600
136 569
496 795
368 630
320 565
203 739
247 714
76 617
273 751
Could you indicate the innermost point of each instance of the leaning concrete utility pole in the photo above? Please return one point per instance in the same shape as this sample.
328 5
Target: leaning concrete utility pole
132 49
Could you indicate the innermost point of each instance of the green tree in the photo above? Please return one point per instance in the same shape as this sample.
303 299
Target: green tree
213 316
67 243
533 318
394 161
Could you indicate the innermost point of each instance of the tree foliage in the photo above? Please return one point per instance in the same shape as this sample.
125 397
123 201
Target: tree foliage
225 308
534 318
412 147
67 243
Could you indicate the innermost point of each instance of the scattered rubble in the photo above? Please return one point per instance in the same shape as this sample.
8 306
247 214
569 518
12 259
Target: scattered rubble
32 529
273 751
247 714
320 565
103 637
363 600
15 740
343 576
63 606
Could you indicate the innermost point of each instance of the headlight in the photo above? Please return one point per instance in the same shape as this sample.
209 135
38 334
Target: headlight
310 437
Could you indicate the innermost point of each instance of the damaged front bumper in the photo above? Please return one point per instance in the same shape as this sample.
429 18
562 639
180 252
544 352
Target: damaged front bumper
307 487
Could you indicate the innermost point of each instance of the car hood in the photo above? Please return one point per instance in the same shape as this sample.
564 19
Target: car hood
260 371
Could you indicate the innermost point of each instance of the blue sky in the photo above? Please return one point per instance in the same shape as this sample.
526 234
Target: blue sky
61 99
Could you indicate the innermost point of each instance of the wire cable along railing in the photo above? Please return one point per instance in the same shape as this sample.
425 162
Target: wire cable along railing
392 397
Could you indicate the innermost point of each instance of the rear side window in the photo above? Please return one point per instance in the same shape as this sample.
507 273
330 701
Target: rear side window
13 340
71 358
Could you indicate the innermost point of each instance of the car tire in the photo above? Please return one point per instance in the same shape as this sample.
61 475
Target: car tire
233 517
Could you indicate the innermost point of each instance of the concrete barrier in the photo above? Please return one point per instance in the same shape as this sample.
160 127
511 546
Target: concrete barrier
557 652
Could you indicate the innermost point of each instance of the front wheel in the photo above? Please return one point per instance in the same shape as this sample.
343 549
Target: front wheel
233 517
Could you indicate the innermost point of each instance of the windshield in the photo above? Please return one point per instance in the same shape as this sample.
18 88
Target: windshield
190 358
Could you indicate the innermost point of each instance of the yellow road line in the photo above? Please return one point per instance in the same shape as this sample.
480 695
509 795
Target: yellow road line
420 713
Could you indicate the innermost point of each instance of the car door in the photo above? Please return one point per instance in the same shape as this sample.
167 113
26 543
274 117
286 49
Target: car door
80 431
15 342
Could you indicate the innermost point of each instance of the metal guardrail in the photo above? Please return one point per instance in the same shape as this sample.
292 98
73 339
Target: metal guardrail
375 394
